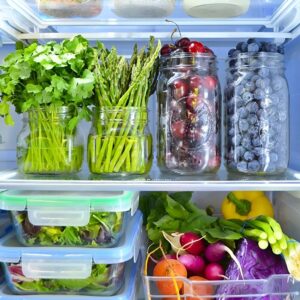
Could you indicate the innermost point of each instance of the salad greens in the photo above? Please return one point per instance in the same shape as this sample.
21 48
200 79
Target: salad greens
103 229
119 142
104 279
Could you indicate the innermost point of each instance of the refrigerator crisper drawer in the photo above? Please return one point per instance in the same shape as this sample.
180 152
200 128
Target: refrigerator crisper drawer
128 291
75 271
90 219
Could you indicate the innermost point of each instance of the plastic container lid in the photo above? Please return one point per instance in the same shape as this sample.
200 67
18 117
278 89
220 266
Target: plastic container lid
215 8
143 9
128 292
71 263
52 208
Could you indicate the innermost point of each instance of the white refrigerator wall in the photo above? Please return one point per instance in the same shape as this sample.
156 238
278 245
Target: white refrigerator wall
9 134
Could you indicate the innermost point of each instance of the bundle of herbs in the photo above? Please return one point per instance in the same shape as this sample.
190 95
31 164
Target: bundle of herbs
54 84
118 142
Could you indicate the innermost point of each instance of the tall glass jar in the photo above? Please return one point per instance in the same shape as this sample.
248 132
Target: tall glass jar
47 145
256 114
189 101
120 142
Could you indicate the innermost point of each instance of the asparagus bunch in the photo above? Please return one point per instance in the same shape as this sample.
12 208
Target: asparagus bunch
122 91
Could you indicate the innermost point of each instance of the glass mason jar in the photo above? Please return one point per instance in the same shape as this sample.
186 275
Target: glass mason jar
119 142
189 99
46 145
257 114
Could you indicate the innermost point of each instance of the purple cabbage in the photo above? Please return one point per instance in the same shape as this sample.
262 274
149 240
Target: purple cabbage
256 264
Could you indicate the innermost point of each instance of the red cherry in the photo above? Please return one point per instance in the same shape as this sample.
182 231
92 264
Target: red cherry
167 49
194 134
180 88
196 47
209 51
195 82
178 129
210 82
192 102
183 43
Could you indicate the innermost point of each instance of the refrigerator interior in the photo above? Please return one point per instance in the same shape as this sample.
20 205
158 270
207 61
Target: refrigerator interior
277 20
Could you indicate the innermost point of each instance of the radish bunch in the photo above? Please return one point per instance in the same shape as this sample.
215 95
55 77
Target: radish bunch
199 258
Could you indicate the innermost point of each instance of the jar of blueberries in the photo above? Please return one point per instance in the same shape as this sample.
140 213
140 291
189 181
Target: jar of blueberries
256 112
189 100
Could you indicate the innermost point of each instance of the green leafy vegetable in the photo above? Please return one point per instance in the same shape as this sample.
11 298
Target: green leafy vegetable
103 229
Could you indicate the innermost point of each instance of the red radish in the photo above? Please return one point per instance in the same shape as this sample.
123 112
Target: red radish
215 252
192 243
214 271
193 263
180 89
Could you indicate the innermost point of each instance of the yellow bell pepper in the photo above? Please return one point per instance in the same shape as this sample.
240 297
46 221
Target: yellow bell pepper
246 205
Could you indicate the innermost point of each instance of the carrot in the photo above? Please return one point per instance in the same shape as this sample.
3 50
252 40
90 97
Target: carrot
169 268
198 290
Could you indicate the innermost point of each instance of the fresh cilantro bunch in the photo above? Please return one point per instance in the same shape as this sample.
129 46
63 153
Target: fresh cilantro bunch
54 74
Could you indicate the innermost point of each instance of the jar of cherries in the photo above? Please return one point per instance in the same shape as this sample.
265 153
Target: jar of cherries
189 100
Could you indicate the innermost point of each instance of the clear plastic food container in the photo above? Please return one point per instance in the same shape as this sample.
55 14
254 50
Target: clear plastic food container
92 219
70 8
144 9
5 223
80 271
128 291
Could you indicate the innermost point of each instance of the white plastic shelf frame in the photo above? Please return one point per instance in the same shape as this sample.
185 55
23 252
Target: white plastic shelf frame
268 19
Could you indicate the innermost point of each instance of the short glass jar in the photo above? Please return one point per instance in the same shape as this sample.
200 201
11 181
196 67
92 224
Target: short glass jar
47 145
256 114
120 142
189 99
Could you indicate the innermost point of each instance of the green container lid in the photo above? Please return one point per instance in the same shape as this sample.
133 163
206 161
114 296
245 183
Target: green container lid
52 208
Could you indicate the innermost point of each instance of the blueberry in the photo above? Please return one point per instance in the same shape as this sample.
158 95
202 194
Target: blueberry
240 151
249 86
236 140
242 166
235 53
255 63
252 119
247 96
239 90
255 77
231 132
256 142
253 47
259 94
264 46
268 90
248 75
239 102
274 99
254 166
280 49
248 156
251 41
242 113
246 142
272 48
252 107
282 116
278 83
264 72
243 125
242 46
231 52
257 151
263 83
253 131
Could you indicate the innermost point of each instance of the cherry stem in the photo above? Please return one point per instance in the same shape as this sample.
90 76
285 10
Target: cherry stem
175 30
